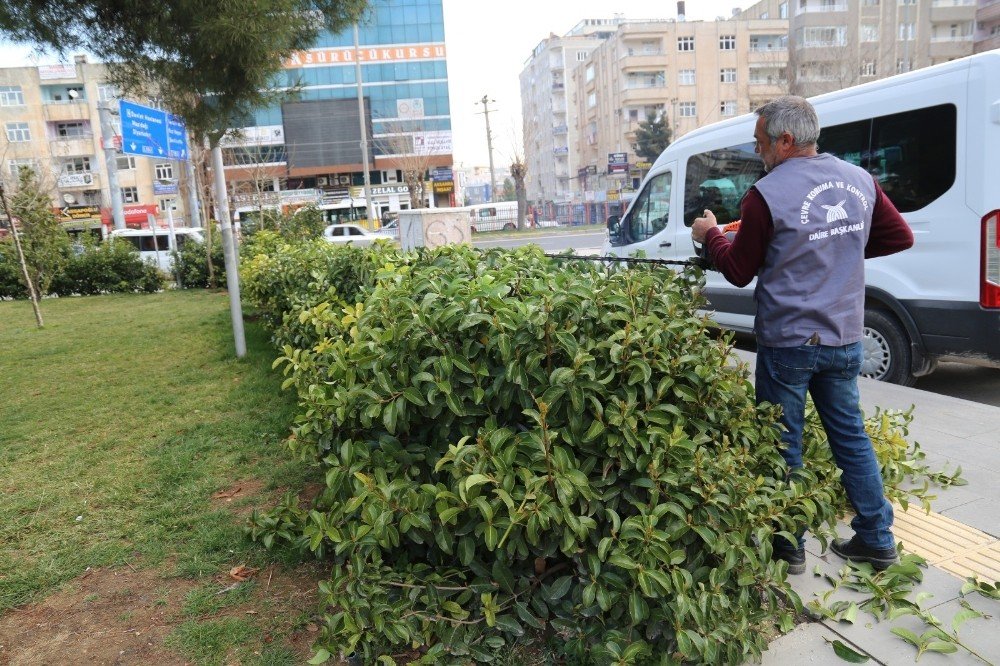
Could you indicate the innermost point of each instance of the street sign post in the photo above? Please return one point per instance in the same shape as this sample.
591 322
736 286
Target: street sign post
150 132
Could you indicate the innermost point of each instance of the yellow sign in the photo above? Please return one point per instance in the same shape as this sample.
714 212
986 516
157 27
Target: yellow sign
444 186
341 56
643 165
614 195
73 213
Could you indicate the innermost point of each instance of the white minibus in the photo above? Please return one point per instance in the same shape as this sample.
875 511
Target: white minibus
155 246
929 137
500 216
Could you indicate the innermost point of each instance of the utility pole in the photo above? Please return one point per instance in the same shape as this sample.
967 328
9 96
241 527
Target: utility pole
229 252
111 162
485 101
364 126
194 211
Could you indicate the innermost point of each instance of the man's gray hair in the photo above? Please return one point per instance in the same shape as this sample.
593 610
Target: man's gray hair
791 114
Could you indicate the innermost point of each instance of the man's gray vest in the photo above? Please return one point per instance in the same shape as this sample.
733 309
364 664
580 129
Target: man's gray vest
813 277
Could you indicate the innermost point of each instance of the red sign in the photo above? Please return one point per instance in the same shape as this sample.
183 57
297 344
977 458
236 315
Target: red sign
136 215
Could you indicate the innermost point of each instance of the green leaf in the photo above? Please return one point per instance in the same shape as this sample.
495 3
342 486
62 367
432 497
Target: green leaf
466 550
907 636
321 657
560 587
964 615
503 576
941 646
848 654
508 624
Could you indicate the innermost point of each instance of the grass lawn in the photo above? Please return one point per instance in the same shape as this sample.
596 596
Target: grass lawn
118 422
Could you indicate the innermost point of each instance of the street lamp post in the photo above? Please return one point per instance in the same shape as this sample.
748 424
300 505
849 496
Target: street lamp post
485 101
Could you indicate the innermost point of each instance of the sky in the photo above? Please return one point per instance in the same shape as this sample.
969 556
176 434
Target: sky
488 43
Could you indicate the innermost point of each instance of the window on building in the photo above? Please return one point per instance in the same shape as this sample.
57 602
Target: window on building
76 165
107 92
72 130
727 108
727 75
18 132
130 195
581 56
907 2
11 96
902 65
869 32
870 3
685 43
15 166
906 31
591 100
164 171
823 36
783 10
686 77
633 115
125 162
727 42
868 68
167 203
688 109
764 16
589 73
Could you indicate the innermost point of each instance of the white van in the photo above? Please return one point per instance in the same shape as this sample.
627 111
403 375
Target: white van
500 216
931 137
155 246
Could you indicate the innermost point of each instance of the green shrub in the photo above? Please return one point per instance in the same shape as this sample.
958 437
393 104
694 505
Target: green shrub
109 267
11 281
191 263
511 445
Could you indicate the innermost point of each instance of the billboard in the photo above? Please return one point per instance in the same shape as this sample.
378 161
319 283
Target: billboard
324 133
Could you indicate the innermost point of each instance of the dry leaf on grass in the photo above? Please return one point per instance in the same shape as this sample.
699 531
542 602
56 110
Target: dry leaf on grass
227 494
242 572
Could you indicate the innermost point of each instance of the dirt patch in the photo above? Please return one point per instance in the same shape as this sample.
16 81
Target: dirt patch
104 617
235 495
122 616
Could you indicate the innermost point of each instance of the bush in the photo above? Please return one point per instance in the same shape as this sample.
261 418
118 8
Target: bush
191 263
512 445
11 281
109 267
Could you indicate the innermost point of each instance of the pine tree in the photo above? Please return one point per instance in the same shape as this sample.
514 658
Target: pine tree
652 137
45 243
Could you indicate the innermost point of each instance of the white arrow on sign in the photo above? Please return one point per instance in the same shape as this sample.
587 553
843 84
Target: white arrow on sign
132 145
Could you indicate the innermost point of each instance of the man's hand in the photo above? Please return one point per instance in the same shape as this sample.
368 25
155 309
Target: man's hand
701 226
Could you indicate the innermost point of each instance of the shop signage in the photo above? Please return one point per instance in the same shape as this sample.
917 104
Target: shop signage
75 180
164 188
382 190
444 186
61 71
341 56
643 165
617 162
71 213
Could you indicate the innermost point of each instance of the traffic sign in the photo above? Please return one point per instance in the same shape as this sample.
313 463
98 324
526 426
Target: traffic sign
150 132
176 138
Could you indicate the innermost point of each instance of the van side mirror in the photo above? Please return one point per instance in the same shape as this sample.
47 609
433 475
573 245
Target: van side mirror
614 229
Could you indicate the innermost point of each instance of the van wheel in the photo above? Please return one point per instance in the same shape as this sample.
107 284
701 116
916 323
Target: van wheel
886 348
510 226
472 229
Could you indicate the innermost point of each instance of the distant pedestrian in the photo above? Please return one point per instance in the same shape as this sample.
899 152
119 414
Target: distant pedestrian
806 229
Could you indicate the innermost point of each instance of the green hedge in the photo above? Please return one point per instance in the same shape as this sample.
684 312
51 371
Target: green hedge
512 444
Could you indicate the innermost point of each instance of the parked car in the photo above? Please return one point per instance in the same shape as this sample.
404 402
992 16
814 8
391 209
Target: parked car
353 233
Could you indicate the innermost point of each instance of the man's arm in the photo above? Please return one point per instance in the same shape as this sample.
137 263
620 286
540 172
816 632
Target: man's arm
889 233
740 260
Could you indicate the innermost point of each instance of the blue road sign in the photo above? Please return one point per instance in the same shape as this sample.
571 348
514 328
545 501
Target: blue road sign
152 132
177 148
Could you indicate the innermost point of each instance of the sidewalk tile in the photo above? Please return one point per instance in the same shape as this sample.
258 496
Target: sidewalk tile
983 514
805 644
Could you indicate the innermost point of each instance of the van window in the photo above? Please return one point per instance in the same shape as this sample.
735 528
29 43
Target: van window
650 212
718 179
911 154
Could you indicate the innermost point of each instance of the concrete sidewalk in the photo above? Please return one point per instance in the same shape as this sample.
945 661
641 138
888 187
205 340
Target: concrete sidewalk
961 537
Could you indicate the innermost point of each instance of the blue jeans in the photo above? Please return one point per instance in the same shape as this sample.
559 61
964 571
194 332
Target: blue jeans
830 374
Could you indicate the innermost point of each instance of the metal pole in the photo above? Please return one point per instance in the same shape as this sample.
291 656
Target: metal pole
111 162
364 126
229 251
485 101
194 211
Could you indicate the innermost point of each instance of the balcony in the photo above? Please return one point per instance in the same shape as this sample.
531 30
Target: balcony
637 96
987 43
988 12
66 146
560 129
558 86
641 61
950 47
79 181
963 14
820 9
67 110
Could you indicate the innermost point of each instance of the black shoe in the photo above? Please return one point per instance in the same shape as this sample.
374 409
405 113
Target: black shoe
855 550
796 559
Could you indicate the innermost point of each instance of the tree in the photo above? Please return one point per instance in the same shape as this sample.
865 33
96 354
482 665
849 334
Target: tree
518 171
400 143
44 242
509 193
211 62
652 137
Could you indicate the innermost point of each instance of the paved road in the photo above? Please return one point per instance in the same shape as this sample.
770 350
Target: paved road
556 242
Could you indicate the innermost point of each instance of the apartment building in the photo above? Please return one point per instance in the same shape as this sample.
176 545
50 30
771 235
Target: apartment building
550 124
690 73
987 35
50 122
835 44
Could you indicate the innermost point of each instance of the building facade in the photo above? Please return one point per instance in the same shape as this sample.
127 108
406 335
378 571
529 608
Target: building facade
50 123
550 123
987 35
687 73
313 143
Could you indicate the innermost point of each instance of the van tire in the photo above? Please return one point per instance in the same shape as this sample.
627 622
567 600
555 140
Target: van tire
886 349
510 226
